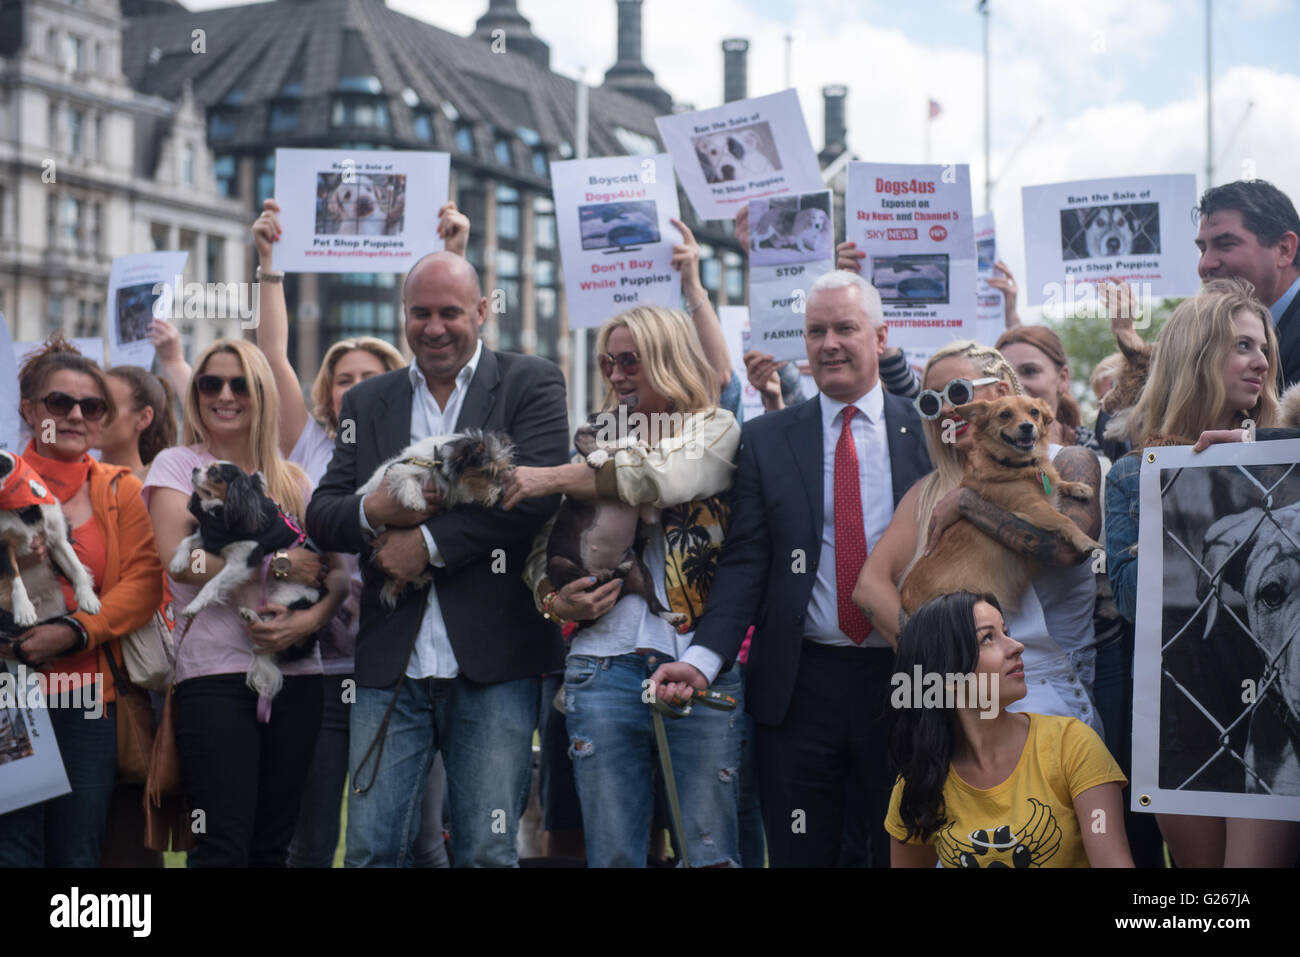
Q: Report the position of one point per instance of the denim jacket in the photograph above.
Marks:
(1122, 524)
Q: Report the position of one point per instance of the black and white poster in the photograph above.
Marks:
(31, 769)
(1216, 692)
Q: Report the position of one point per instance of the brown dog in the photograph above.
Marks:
(1007, 467)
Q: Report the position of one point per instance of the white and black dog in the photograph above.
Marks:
(1259, 559)
(808, 230)
(33, 595)
(241, 523)
(466, 468)
(1109, 231)
(732, 156)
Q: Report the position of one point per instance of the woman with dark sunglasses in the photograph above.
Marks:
(65, 401)
(246, 772)
(679, 461)
(1054, 619)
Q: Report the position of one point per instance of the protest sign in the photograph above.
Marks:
(141, 286)
(914, 222)
(791, 243)
(31, 769)
(740, 151)
(1137, 229)
(616, 242)
(990, 309)
(358, 210)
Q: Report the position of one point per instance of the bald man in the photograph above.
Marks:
(456, 667)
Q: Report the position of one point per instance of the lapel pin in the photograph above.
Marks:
(902, 428)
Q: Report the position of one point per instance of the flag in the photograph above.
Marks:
(934, 109)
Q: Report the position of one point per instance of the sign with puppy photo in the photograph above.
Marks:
(1216, 672)
(358, 210)
(613, 216)
(141, 286)
(791, 243)
(914, 222)
(31, 770)
(740, 151)
(1137, 229)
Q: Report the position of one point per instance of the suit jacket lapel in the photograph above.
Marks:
(393, 415)
(481, 394)
(900, 454)
(804, 433)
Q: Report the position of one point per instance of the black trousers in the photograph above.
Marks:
(245, 777)
(833, 735)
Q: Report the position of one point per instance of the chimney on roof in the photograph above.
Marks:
(507, 31)
(735, 69)
(630, 75)
(833, 97)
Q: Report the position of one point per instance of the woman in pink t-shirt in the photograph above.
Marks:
(245, 774)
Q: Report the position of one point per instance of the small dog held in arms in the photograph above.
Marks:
(241, 523)
(1008, 466)
(598, 539)
(466, 468)
(28, 510)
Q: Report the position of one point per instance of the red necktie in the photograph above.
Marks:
(850, 539)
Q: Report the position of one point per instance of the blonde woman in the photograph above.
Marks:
(1215, 368)
(658, 382)
(1054, 621)
(247, 776)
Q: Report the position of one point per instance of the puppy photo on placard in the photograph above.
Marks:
(791, 229)
(1098, 232)
(739, 154)
(357, 204)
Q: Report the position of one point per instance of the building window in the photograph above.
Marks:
(101, 147)
(423, 124)
(52, 45)
(735, 280)
(710, 269)
(265, 178)
(223, 168)
(472, 200)
(540, 166)
(283, 117)
(71, 223)
(187, 164)
(97, 227)
(365, 111)
(216, 250)
(76, 132)
(4, 213)
(159, 234)
(544, 223)
(465, 139)
(222, 123)
(54, 127)
(56, 311)
(88, 318)
(74, 53)
(507, 213)
(501, 150)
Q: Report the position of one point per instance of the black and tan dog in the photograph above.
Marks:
(241, 523)
(1008, 466)
(28, 510)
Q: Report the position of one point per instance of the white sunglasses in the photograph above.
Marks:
(955, 393)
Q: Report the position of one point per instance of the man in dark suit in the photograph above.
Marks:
(815, 487)
(1250, 230)
(455, 667)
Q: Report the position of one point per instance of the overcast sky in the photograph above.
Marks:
(1119, 84)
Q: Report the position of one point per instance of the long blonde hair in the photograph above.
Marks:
(1184, 394)
(949, 463)
(284, 480)
(322, 390)
(671, 354)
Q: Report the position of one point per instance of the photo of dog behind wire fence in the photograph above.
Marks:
(135, 309)
(790, 229)
(15, 742)
(363, 205)
(743, 153)
(1230, 664)
(915, 280)
(1097, 232)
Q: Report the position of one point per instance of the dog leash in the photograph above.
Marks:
(658, 708)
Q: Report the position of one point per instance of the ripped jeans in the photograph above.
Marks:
(612, 743)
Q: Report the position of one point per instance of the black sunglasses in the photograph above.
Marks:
(629, 362)
(212, 384)
(60, 403)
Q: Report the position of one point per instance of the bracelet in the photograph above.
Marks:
(260, 276)
(548, 609)
(83, 637)
(691, 309)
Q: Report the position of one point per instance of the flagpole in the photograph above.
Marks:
(983, 9)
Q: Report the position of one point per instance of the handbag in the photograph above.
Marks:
(167, 821)
(135, 727)
(149, 654)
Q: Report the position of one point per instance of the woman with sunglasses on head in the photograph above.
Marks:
(247, 774)
(1054, 621)
(980, 786)
(681, 463)
(65, 401)
(1215, 369)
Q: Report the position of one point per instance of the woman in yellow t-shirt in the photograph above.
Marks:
(980, 786)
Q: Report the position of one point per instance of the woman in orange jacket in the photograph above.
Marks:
(65, 399)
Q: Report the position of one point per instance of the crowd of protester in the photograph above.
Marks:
(778, 550)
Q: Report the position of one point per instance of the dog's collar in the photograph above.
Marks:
(423, 463)
(1014, 465)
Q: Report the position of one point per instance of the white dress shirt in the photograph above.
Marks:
(433, 656)
(877, 484)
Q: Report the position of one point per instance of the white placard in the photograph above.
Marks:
(616, 242)
(990, 308)
(140, 287)
(915, 224)
(791, 243)
(740, 151)
(735, 329)
(11, 432)
(1219, 558)
(31, 769)
(358, 210)
(1137, 229)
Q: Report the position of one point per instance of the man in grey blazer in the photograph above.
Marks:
(456, 667)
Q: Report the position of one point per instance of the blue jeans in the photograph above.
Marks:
(68, 831)
(485, 734)
(612, 744)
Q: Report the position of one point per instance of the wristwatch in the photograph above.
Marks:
(270, 276)
(281, 564)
